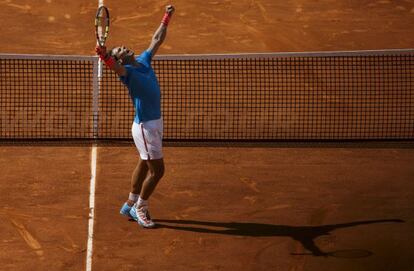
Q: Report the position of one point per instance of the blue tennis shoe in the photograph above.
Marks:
(125, 210)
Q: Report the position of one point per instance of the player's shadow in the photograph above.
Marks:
(306, 235)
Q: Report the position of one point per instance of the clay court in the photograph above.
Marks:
(223, 206)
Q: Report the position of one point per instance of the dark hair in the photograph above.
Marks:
(112, 54)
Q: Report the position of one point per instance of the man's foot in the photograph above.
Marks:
(142, 216)
(126, 211)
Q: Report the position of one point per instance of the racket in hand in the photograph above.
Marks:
(102, 25)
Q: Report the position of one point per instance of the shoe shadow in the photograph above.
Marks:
(306, 235)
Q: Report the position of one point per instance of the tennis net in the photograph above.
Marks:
(360, 95)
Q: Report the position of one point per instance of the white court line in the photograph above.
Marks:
(89, 250)
(94, 151)
(91, 208)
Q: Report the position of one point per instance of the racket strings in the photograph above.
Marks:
(102, 25)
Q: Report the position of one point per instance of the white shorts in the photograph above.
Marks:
(148, 139)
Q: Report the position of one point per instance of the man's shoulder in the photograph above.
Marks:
(144, 58)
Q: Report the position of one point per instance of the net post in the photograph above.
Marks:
(97, 75)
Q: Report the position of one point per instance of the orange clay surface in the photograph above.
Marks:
(286, 208)
(225, 26)
(217, 208)
(44, 197)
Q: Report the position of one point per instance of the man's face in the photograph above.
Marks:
(122, 53)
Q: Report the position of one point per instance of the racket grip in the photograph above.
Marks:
(166, 19)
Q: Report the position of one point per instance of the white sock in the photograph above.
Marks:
(133, 197)
(142, 202)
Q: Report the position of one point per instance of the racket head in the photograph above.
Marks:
(102, 25)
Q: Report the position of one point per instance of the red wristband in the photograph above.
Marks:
(110, 62)
(102, 57)
(166, 19)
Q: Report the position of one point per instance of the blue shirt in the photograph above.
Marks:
(143, 88)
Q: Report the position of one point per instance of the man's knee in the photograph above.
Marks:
(157, 170)
(160, 173)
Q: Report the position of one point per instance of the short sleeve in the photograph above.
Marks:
(145, 58)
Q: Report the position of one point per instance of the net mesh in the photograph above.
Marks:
(45, 98)
(219, 98)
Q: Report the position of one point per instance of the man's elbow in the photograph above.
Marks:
(157, 42)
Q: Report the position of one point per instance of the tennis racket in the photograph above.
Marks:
(102, 25)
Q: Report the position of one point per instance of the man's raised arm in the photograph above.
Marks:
(161, 33)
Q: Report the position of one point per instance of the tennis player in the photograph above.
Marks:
(138, 76)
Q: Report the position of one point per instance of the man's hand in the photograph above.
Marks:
(169, 9)
(101, 52)
(105, 57)
(110, 61)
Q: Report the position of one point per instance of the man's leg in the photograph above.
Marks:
(140, 210)
(138, 177)
(155, 173)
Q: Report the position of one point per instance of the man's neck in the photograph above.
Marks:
(132, 62)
